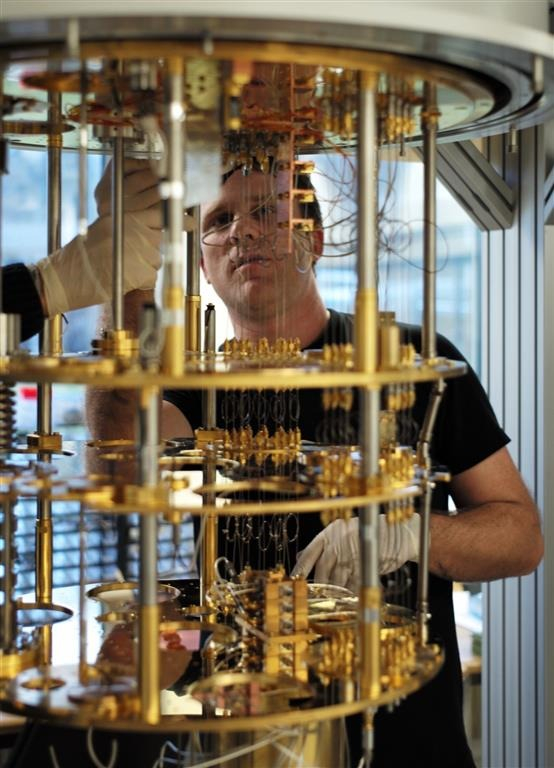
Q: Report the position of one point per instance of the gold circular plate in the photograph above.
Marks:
(126, 593)
(103, 373)
(41, 614)
(56, 705)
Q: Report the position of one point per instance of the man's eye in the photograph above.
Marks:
(219, 220)
(263, 211)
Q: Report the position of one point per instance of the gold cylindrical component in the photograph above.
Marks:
(366, 330)
(173, 361)
(192, 323)
(149, 663)
(44, 560)
(370, 642)
(389, 342)
(209, 552)
(56, 335)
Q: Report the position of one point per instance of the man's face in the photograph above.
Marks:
(245, 253)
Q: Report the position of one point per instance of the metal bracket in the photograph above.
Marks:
(549, 198)
(475, 184)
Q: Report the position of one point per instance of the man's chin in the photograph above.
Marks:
(258, 304)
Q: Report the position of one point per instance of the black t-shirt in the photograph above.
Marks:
(19, 296)
(427, 728)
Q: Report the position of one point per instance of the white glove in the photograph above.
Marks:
(80, 273)
(335, 551)
(140, 192)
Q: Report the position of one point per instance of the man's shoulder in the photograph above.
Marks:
(340, 327)
(445, 348)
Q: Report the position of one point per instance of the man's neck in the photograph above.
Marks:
(306, 321)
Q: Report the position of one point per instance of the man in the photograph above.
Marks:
(496, 532)
(80, 274)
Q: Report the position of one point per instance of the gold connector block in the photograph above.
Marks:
(46, 442)
(146, 496)
(204, 437)
(302, 225)
(117, 343)
(304, 167)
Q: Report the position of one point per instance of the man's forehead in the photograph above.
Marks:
(240, 190)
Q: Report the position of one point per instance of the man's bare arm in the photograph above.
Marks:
(496, 533)
(174, 423)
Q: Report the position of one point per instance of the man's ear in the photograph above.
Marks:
(203, 266)
(317, 243)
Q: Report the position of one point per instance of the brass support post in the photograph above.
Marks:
(149, 663)
(174, 336)
(370, 625)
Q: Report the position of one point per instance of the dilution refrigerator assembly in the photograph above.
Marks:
(269, 663)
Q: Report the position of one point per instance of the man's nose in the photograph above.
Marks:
(243, 227)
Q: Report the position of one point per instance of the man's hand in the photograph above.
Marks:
(335, 551)
(140, 192)
(80, 274)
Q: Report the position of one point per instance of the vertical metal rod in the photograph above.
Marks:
(366, 330)
(50, 343)
(194, 251)
(8, 624)
(9, 340)
(173, 191)
(83, 669)
(209, 396)
(149, 662)
(424, 461)
(209, 522)
(118, 233)
(50, 338)
(3, 170)
(192, 298)
(429, 125)
(83, 156)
